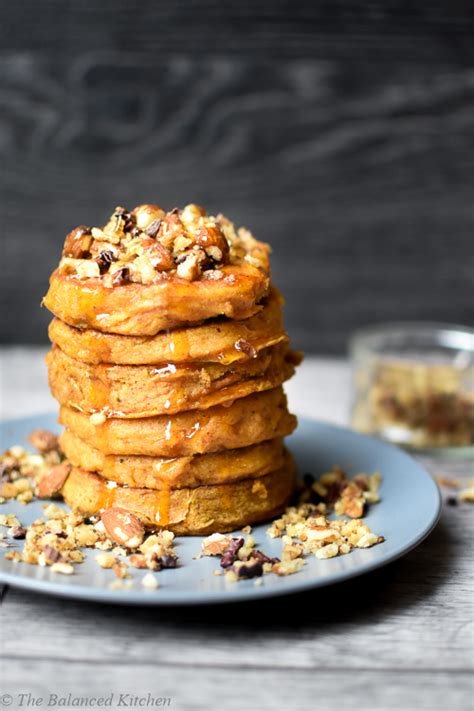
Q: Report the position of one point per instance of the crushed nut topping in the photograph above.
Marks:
(463, 491)
(148, 244)
(22, 472)
(334, 491)
(304, 529)
(239, 557)
(57, 540)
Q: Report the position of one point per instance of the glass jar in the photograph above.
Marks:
(414, 385)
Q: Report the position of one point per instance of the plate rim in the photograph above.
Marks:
(143, 598)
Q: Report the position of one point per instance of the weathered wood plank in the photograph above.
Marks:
(413, 614)
(203, 688)
(430, 32)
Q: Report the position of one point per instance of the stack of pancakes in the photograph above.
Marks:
(169, 354)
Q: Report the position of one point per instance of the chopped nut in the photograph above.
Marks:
(63, 568)
(120, 569)
(448, 482)
(150, 582)
(189, 268)
(146, 215)
(86, 535)
(52, 482)
(18, 532)
(54, 512)
(288, 567)
(8, 490)
(77, 244)
(329, 551)
(123, 527)
(215, 544)
(248, 569)
(52, 555)
(9, 520)
(292, 550)
(230, 555)
(44, 441)
(369, 539)
(467, 494)
(138, 560)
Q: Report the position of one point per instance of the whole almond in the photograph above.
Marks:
(123, 527)
(52, 482)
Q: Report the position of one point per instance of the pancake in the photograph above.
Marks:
(144, 310)
(198, 511)
(147, 270)
(140, 391)
(217, 341)
(246, 421)
(177, 472)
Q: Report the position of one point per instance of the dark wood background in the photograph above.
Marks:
(343, 133)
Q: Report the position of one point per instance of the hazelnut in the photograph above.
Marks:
(78, 243)
(146, 214)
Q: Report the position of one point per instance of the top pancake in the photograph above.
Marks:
(147, 271)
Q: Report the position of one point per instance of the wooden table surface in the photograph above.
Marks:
(399, 638)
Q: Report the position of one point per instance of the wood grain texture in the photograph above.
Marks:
(214, 689)
(343, 135)
(411, 615)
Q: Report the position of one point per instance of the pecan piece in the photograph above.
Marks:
(352, 500)
(18, 532)
(249, 569)
(105, 259)
(121, 276)
(230, 555)
(78, 242)
(170, 228)
(169, 560)
(52, 555)
(123, 527)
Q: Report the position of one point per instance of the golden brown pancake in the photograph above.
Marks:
(147, 270)
(142, 391)
(216, 341)
(176, 472)
(198, 511)
(246, 421)
(145, 309)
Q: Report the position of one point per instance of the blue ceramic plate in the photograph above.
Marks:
(408, 511)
